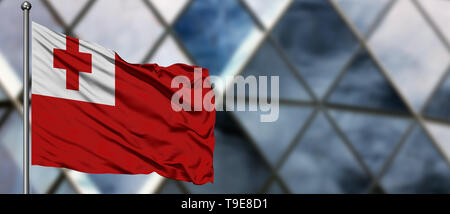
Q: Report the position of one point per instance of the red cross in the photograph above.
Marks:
(73, 61)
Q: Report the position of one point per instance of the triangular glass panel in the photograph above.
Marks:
(364, 86)
(11, 174)
(169, 9)
(238, 168)
(414, 59)
(12, 137)
(115, 183)
(169, 53)
(11, 85)
(438, 10)
(214, 32)
(131, 44)
(41, 178)
(316, 40)
(267, 11)
(439, 107)
(267, 62)
(274, 138)
(322, 163)
(68, 10)
(65, 188)
(373, 137)
(362, 13)
(441, 133)
(417, 168)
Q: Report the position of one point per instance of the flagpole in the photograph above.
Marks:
(26, 7)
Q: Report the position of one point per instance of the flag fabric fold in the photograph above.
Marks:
(94, 112)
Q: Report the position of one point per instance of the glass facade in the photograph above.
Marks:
(364, 90)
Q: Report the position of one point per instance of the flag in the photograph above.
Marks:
(95, 113)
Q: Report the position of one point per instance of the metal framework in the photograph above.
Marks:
(81, 183)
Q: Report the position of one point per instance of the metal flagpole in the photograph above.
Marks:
(26, 7)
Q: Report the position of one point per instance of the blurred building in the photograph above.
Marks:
(364, 90)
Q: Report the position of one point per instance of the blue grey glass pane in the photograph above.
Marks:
(362, 13)
(11, 149)
(441, 133)
(373, 137)
(42, 178)
(65, 188)
(212, 31)
(11, 175)
(418, 168)
(438, 10)
(170, 187)
(11, 136)
(11, 34)
(316, 40)
(275, 188)
(415, 59)
(439, 106)
(363, 85)
(115, 183)
(237, 166)
(273, 138)
(268, 63)
(11, 139)
(68, 10)
(322, 163)
(127, 27)
(267, 11)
